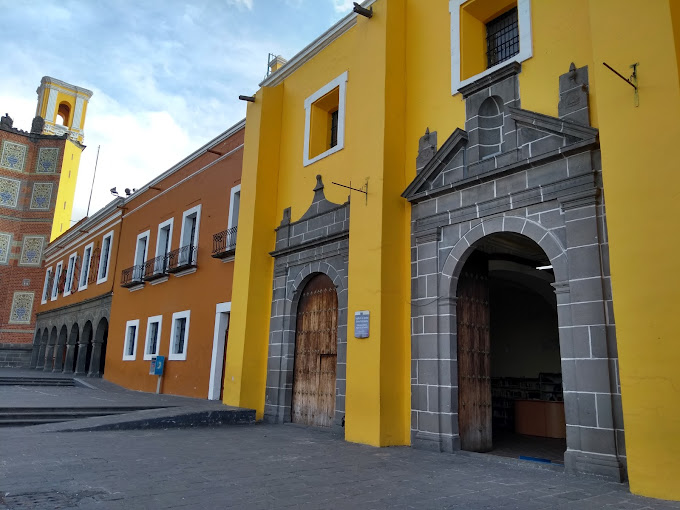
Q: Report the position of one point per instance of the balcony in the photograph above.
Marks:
(182, 259)
(155, 268)
(224, 243)
(132, 276)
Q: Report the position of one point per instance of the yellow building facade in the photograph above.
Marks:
(335, 138)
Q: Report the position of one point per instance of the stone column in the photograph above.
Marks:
(40, 362)
(81, 361)
(35, 354)
(49, 358)
(95, 359)
(59, 358)
(70, 354)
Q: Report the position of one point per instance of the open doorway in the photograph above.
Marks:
(219, 351)
(509, 364)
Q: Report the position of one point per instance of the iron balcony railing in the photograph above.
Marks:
(182, 258)
(132, 276)
(224, 243)
(156, 268)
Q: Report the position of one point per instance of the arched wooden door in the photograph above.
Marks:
(316, 352)
(474, 351)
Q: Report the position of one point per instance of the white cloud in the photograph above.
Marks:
(248, 4)
(343, 5)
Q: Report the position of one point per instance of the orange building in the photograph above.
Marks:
(75, 302)
(173, 298)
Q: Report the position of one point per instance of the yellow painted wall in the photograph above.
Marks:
(67, 189)
(641, 180)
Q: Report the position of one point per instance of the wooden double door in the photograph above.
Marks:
(474, 356)
(316, 353)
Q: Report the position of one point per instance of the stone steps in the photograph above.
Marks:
(22, 416)
(37, 381)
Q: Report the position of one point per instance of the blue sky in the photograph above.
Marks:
(166, 75)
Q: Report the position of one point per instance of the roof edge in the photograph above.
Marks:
(314, 48)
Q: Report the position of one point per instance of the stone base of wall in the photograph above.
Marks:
(15, 355)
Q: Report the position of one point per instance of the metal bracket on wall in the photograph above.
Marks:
(632, 81)
(363, 189)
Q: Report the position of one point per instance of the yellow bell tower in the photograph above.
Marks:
(63, 107)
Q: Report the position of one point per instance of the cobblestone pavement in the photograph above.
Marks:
(274, 466)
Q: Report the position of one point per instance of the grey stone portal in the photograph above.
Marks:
(316, 243)
(539, 177)
(79, 325)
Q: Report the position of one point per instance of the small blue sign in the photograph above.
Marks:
(362, 324)
(157, 365)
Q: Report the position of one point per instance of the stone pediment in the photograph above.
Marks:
(537, 138)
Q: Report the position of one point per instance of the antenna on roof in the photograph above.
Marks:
(92, 187)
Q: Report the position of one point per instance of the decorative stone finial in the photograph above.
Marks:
(37, 125)
(319, 183)
(427, 146)
(6, 121)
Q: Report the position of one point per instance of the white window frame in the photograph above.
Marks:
(235, 190)
(55, 284)
(161, 226)
(100, 278)
(186, 314)
(85, 270)
(222, 319)
(68, 282)
(149, 321)
(46, 293)
(525, 43)
(133, 356)
(185, 215)
(340, 83)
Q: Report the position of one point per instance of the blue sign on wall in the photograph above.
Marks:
(157, 365)
(361, 324)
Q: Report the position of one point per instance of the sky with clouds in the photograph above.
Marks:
(166, 76)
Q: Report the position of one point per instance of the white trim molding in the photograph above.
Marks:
(167, 223)
(525, 43)
(57, 277)
(68, 282)
(46, 292)
(179, 356)
(157, 319)
(234, 191)
(341, 83)
(100, 278)
(185, 215)
(222, 312)
(126, 343)
(85, 267)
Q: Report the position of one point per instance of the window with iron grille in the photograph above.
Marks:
(502, 38)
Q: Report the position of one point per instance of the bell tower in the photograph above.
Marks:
(63, 106)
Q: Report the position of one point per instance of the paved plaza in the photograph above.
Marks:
(69, 465)
(273, 466)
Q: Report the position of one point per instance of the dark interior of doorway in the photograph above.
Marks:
(525, 365)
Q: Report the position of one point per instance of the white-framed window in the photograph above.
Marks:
(153, 336)
(141, 252)
(234, 206)
(130, 345)
(85, 266)
(70, 269)
(325, 120)
(179, 336)
(163, 244)
(191, 224)
(466, 67)
(57, 277)
(46, 286)
(105, 258)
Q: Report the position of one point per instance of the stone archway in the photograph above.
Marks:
(98, 356)
(60, 350)
(84, 344)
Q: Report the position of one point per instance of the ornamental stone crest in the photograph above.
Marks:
(41, 196)
(47, 160)
(9, 192)
(31, 250)
(22, 308)
(13, 156)
(5, 246)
